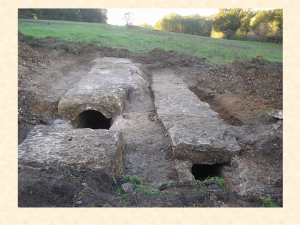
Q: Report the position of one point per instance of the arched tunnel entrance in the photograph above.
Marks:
(203, 171)
(92, 119)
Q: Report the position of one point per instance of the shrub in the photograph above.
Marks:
(55, 46)
(229, 34)
(219, 180)
(240, 35)
(215, 34)
(74, 49)
(270, 38)
(268, 202)
(31, 40)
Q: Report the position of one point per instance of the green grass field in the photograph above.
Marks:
(217, 51)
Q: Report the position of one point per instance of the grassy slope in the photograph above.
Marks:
(217, 51)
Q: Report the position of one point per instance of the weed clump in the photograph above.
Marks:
(268, 202)
(31, 40)
(139, 190)
(265, 112)
(219, 180)
(265, 115)
(138, 184)
(72, 48)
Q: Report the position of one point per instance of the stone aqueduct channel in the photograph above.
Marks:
(196, 132)
(115, 92)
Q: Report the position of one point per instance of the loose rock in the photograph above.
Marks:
(127, 187)
(78, 202)
(276, 113)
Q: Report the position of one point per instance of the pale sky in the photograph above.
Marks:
(150, 16)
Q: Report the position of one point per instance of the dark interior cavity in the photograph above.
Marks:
(202, 171)
(92, 119)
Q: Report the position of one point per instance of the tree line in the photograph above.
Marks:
(193, 24)
(236, 24)
(79, 15)
(264, 25)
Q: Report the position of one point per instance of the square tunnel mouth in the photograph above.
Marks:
(92, 119)
(205, 171)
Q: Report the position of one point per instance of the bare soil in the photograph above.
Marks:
(240, 92)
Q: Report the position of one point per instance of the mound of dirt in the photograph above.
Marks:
(252, 87)
(68, 187)
(160, 58)
(21, 37)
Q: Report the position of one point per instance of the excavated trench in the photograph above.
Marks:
(222, 112)
(141, 135)
(145, 145)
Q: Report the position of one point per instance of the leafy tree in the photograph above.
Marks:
(193, 24)
(263, 17)
(246, 20)
(171, 22)
(175, 22)
(268, 25)
(158, 25)
(82, 15)
(128, 17)
(228, 20)
(277, 16)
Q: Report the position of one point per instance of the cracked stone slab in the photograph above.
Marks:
(195, 131)
(183, 169)
(80, 148)
(104, 88)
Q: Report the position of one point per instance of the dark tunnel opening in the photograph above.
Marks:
(203, 171)
(92, 119)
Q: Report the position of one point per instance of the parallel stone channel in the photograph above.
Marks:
(195, 131)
